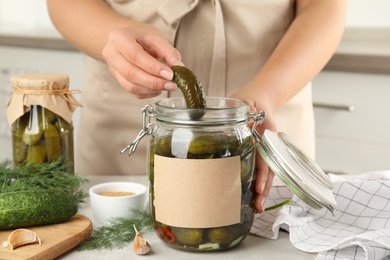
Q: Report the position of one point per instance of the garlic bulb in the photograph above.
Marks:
(141, 246)
(20, 237)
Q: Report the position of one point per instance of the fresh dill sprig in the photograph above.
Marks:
(119, 233)
(49, 175)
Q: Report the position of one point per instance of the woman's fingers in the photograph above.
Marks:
(263, 184)
(129, 75)
(138, 91)
(135, 62)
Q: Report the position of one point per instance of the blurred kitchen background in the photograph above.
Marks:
(351, 95)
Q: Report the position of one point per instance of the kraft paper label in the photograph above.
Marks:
(197, 193)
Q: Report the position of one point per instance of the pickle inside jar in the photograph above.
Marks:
(224, 235)
(19, 146)
(188, 236)
(192, 90)
(36, 153)
(52, 143)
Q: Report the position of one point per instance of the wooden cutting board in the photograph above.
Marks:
(56, 240)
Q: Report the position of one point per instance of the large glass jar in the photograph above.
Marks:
(39, 113)
(201, 173)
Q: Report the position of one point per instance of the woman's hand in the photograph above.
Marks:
(264, 175)
(140, 57)
(301, 53)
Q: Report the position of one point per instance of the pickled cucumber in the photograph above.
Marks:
(246, 172)
(19, 151)
(33, 130)
(32, 137)
(48, 116)
(20, 125)
(191, 87)
(19, 146)
(52, 143)
(224, 235)
(36, 153)
(162, 146)
(212, 145)
(65, 131)
(188, 236)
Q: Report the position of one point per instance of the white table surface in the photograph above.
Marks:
(251, 248)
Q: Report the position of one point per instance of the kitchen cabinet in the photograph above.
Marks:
(352, 121)
(15, 60)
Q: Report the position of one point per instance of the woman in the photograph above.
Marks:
(265, 52)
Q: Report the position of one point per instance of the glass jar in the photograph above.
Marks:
(201, 173)
(42, 131)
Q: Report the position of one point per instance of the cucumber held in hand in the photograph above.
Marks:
(191, 87)
(35, 208)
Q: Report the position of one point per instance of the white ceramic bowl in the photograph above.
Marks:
(104, 208)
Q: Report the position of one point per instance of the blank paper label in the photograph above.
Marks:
(197, 193)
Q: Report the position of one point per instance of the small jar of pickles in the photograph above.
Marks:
(201, 173)
(40, 114)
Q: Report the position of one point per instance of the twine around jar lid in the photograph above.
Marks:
(50, 91)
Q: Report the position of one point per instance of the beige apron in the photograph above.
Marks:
(225, 42)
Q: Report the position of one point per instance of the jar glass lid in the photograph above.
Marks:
(300, 173)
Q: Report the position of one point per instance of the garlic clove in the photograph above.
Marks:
(20, 237)
(141, 246)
